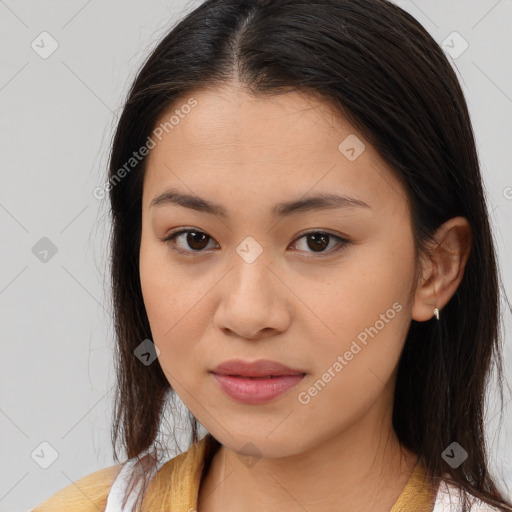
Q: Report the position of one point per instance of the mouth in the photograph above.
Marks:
(256, 383)
(258, 378)
(263, 368)
(254, 390)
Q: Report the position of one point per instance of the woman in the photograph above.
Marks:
(300, 235)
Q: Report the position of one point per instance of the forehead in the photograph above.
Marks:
(228, 117)
(291, 142)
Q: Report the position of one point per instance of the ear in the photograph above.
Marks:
(442, 271)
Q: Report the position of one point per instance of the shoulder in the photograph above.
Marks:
(448, 500)
(89, 494)
(175, 486)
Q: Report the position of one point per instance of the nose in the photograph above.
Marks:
(254, 302)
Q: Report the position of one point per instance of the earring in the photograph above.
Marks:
(436, 312)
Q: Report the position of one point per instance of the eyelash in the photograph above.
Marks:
(170, 240)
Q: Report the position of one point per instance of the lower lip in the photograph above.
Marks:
(256, 391)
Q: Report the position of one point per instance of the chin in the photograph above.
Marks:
(257, 443)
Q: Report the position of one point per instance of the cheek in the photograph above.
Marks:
(173, 299)
(155, 286)
(366, 310)
(365, 306)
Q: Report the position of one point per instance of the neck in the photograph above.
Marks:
(360, 468)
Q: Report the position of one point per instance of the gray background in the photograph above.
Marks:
(57, 117)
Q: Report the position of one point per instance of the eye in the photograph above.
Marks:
(197, 241)
(319, 240)
(194, 238)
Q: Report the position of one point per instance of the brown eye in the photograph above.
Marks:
(191, 240)
(196, 240)
(318, 241)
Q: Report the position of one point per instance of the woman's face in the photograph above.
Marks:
(250, 283)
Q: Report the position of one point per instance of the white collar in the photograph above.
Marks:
(448, 500)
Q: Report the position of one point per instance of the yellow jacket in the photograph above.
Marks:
(176, 485)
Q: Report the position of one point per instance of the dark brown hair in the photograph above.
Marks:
(380, 68)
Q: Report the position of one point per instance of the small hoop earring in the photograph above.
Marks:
(436, 312)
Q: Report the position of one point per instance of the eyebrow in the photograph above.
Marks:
(321, 201)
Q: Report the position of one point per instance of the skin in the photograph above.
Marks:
(295, 304)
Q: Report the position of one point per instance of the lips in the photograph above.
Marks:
(262, 368)
(257, 382)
